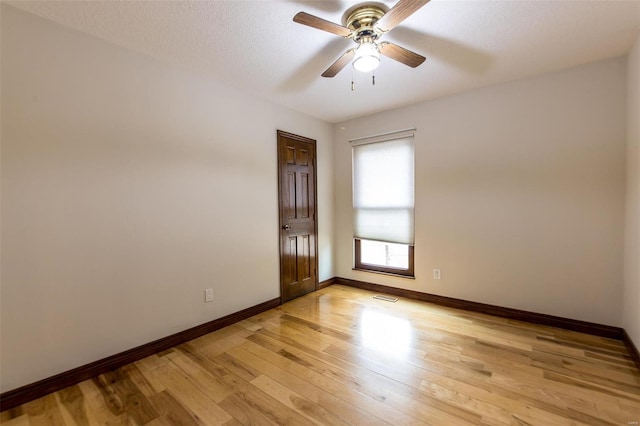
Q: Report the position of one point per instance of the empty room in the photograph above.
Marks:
(320, 212)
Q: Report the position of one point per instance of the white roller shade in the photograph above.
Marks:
(383, 194)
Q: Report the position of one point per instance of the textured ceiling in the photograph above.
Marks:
(256, 47)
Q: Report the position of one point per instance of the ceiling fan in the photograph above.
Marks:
(365, 24)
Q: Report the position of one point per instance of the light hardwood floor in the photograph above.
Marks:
(338, 356)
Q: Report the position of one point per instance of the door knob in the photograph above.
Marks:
(286, 227)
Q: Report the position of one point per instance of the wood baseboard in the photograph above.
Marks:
(633, 349)
(326, 283)
(499, 311)
(13, 398)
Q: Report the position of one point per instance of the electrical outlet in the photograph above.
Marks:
(436, 274)
(208, 295)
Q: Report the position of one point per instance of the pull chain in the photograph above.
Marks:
(353, 86)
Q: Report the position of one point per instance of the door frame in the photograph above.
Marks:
(281, 221)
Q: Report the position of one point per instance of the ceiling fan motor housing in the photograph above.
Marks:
(361, 22)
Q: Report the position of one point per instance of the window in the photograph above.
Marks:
(384, 257)
(383, 200)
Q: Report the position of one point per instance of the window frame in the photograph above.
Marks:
(388, 270)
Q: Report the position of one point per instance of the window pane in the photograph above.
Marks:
(384, 254)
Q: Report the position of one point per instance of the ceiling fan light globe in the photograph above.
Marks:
(366, 63)
(366, 58)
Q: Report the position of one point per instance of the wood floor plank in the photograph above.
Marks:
(197, 373)
(44, 411)
(125, 397)
(12, 413)
(251, 405)
(340, 357)
(337, 388)
(16, 421)
(73, 403)
(245, 395)
(397, 394)
(183, 389)
(296, 402)
(171, 411)
(350, 414)
(98, 409)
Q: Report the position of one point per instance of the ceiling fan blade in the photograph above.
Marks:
(401, 54)
(398, 13)
(338, 65)
(321, 24)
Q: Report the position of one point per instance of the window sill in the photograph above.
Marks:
(371, 271)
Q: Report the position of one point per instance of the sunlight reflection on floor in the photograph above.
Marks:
(385, 333)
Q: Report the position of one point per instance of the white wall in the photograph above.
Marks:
(631, 307)
(128, 187)
(519, 193)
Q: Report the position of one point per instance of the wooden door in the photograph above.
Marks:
(298, 228)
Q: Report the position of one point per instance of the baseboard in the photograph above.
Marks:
(633, 349)
(326, 283)
(499, 311)
(13, 398)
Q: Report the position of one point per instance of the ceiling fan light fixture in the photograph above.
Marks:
(367, 57)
